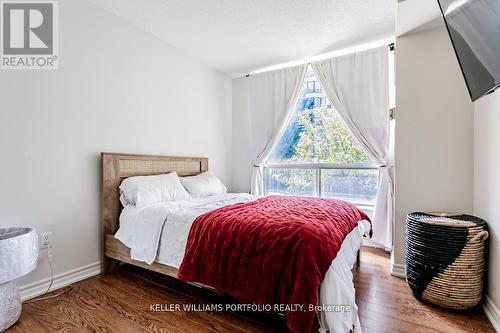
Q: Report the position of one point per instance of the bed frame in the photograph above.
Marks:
(115, 168)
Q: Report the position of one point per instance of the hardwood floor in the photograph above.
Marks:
(386, 303)
(121, 302)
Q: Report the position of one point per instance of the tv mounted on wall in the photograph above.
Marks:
(474, 28)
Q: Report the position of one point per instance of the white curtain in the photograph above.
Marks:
(272, 97)
(358, 86)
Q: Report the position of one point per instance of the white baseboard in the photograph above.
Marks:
(368, 242)
(64, 279)
(398, 270)
(492, 312)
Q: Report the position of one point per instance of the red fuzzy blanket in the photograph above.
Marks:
(274, 250)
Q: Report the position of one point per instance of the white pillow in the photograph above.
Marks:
(203, 185)
(141, 191)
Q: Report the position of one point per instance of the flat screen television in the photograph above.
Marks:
(474, 28)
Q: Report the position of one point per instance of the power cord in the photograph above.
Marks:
(50, 254)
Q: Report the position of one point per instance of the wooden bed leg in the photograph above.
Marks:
(109, 265)
(358, 258)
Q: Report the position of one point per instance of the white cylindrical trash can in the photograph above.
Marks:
(18, 256)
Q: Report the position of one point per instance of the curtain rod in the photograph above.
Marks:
(391, 48)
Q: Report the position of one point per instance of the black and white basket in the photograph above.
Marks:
(445, 257)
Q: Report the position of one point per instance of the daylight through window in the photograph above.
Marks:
(317, 154)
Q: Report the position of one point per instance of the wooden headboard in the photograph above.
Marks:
(116, 167)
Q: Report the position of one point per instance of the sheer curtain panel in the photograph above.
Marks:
(358, 86)
(272, 96)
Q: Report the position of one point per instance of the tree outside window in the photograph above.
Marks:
(317, 154)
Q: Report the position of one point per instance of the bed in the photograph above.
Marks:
(176, 220)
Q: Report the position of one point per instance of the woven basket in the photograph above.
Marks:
(445, 258)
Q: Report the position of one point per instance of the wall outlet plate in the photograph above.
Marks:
(45, 240)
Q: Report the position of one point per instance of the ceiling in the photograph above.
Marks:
(418, 15)
(240, 36)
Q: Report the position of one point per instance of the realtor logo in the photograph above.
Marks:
(29, 34)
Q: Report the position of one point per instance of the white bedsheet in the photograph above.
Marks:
(159, 232)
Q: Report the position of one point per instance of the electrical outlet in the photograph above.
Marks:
(45, 240)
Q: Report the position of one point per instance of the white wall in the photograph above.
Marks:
(434, 129)
(487, 184)
(243, 158)
(117, 90)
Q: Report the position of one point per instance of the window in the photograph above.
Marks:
(318, 156)
(309, 87)
(312, 86)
